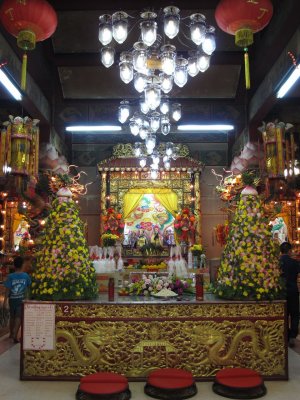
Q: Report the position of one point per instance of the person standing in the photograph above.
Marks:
(16, 286)
(290, 269)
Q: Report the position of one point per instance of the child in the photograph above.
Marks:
(16, 288)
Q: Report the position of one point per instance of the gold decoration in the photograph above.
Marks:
(134, 339)
(127, 150)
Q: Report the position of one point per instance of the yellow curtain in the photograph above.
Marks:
(131, 200)
(166, 197)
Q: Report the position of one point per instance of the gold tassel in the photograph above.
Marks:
(247, 69)
(24, 69)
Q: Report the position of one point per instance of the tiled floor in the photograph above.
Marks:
(11, 388)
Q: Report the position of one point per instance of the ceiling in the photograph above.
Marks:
(68, 69)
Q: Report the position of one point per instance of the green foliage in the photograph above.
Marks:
(250, 261)
(63, 269)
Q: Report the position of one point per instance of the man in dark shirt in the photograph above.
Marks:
(290, 269)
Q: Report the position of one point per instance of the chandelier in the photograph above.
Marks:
(169, 152)
(152, 63)
(145, 121)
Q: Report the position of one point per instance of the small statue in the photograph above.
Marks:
(142, 240)
(202, 261)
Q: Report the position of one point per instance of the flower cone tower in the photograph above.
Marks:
(250, 261)
(63, 270)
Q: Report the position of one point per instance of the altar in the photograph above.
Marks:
(133, 336)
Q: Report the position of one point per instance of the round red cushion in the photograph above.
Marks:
(170, 378)
(239, 378)
(108, 377)
(103, 388)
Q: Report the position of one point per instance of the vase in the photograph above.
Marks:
(196, 261)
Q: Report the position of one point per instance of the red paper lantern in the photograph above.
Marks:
(243, 18)
(30, 21)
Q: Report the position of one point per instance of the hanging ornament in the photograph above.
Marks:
(30, 21)
(242, 19)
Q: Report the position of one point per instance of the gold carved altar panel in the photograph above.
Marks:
(134, 339)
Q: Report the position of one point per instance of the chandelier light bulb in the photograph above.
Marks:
(137, 149)
(169, 149)
(168, 59)
(143, 162)
(165, 158)
(120, 26)
(153, 174)
(197, 28)
(176, 111)
(140, 57)
(166, 83)
(148, 28)
(165, 125)
(150, 142)
(126, 71)
(124, 111)
(154, 167)
(155, 121)
(134, 128)
(209, 43)
(105, 29)
(140, 81)
(171, 21)
(107, 56)
(164, 105)
(143, 133)
(175, 153)
(203, 62)
(167, 165)
(193, 68)
(181, 74)
(155, 157)
(152, 96)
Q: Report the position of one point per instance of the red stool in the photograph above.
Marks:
(170, 384)
(103, 386)
(239, 383)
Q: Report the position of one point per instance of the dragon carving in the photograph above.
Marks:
(223, 352)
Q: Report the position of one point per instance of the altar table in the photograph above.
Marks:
(133, 336)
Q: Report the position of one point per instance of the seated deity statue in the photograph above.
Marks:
(156, 237)
(142, 239)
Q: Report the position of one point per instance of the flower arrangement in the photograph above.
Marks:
(151, 284)
(108, 239)
(63, 270)
(184, 225)
(197, 250)
(113, 222)
(249, 265)
(222, 231)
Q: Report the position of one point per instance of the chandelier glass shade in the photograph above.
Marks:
(153, 64)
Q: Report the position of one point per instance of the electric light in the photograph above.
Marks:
(134, 127)
(152, 95)
(165, 105)
(120, 26)
(165, 125)
(139, 56)
(124, 111)
(209, 43)
(137, 149)
(126, 67)
(176, 111)
(289, 83)
(150, 141)
(168, 59)
(203, 62)
(154, 167)
(171, 21)
(107, 56)
(167, 165)
(143, 162)
(211, 128)
(148, 28)
(105, 29)
(9, 86)
(93, 128)
(181, 74)
(154, 121)
(153, 174)
(192, 67)
(143, 132)
(155, 157)
(166, 82)
(169, 148)
(198, 28)
(139, 82)
(144, 107)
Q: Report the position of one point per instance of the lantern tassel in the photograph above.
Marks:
(24, 70)
(247, 69)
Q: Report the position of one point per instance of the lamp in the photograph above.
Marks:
(124, 111)
(107, 56)
(154, 59)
